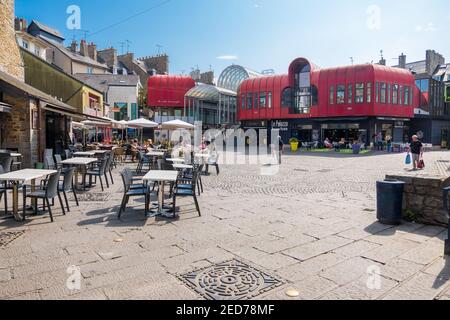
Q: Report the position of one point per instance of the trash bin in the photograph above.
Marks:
(356, 148)
(390, 201)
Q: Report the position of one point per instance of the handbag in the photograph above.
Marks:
(421, 164)
(408, 159)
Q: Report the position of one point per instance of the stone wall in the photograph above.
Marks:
(422, 198)
(10, 59)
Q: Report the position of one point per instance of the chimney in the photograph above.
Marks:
(402, 61)
(84, 48)
(74, 46)
(92, 50)
(382, 62)
(20, 24)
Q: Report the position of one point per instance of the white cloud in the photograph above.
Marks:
(228, 57)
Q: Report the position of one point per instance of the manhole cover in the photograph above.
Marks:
(231, 280)
(8, 237)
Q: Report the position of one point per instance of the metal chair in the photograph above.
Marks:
(4, 191)
(186, 188)
(98, 171)
(132, 192)
(214, 162)
(49, 163)
(108, 169)
(48, 191)
(67, 185)
(190, 176)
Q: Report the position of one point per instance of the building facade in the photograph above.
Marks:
(309, 103)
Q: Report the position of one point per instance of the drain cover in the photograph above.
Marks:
(231, 280)
(8, 237)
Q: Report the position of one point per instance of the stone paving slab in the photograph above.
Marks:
(313, 225)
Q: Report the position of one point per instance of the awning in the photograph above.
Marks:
(73, 114)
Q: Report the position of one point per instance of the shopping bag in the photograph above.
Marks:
(421, 164)
(408, 159)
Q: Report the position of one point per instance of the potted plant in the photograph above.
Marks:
(294, 144)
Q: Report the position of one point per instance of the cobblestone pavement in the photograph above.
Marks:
(312, 226)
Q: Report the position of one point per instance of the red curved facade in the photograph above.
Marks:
(369, 90)
(168, 91)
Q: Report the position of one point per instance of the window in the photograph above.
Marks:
(315, 95)
(383, 92)
(37, 51)
(340, 93)
(423, 85)
(369, 92)
(269, 100)
(256, 100)
(90, 70)
(395, 94)
(400, 95)
(25, 44)
(350, 94)
(332, 95)
(243, 102)
(389, 93)
(359, 93)
(286, 98)
(377, 92)
(262, 99)
(406, 97)
(249, 101)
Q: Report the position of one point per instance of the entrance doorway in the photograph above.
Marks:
(302, 135)
(56, 133)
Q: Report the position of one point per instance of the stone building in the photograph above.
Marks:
(22, 107)
(10, 61)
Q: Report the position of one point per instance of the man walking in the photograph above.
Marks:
(416, 151)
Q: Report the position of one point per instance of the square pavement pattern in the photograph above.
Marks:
(310, 229)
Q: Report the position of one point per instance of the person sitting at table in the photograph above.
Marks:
(341, 145)
(134, 149)
(328, 144)
(149, 144)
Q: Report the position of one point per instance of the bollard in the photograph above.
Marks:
(446, 192)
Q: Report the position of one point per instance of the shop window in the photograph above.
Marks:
(383, 92)
(269, 100)
(395, 94)
(332, 95)
(359, 93)
(286, 98)
(262, 99)
(369, 92)
(340, 94)
(350, 94)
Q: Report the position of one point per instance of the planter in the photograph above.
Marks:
(356, 149)
(294, 146)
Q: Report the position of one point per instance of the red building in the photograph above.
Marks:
(310, 103)
(166, 95)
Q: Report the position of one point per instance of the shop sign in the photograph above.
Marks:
(281, 125)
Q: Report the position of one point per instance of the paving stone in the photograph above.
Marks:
(421, 287)
(316, 248)
(356, 248)
(391, 250)
(440, 268)
(425, 253)
(399, 269)
(349, 270)
(360, 289)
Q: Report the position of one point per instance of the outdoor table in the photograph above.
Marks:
(16, 155)
(155, 154)
(176, 160)
(22, 176)
(161, 177)
(85, 154)
(79, 162)
(183, 167)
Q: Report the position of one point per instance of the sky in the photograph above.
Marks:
(257, 34)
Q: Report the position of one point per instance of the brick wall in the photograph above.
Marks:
(10, 59)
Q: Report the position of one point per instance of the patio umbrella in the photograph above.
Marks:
(141, 124)
(176, 124)
(123, 125)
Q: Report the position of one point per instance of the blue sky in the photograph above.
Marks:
(259, 34)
